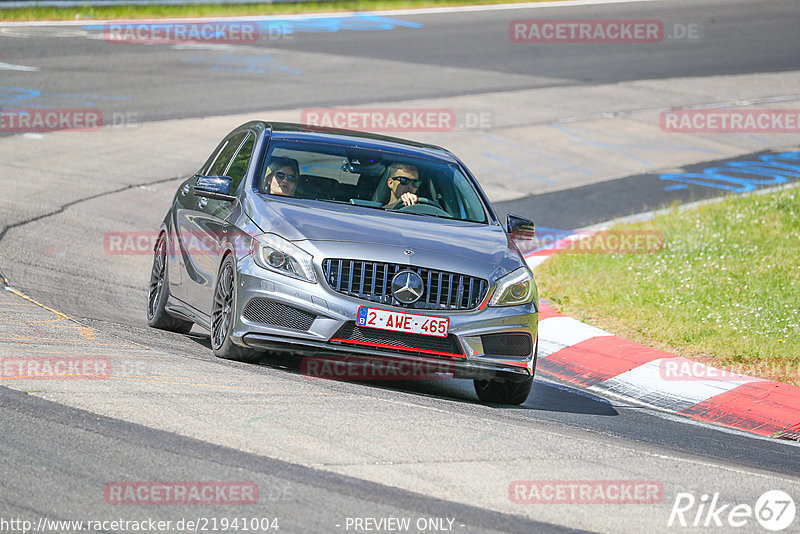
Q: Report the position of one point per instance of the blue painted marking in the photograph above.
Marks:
(742, 176)
(289, 26)
(356, 22)
(675, 187)
(16, 95)
(31, 98)
(253, 65)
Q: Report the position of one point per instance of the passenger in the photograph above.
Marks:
(403, 183)
(281, 177)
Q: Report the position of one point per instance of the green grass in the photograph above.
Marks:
(225, 10)
(725, 289)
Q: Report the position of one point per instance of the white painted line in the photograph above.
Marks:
(556, 333)
(682, 369)
(535, 261)
(343, 14)
(648, 384)
(9, 66)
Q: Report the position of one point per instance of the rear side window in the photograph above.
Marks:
(238, 167)
(225, 155)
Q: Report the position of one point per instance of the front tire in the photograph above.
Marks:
(223, 311)
(157, 315)
(503, 391)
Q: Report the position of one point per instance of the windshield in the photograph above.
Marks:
(372, 179)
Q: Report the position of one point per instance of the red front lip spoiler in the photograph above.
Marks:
(397, 347)
(464, 367)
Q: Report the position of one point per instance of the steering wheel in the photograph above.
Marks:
(420, 200)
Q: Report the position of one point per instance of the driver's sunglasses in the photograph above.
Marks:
(283, 176)
(405, 180)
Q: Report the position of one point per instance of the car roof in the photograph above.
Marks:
(287, 131)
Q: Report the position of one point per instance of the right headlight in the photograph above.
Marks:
(515, 288)
(281, 256)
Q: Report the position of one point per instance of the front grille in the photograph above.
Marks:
(273, 313)
(399, 341)
(518, 344)
(370, 280)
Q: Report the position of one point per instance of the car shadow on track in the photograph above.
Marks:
(545, 396)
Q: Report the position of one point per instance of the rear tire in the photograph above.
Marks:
(223, 310)
(503, 391)
(157, 315)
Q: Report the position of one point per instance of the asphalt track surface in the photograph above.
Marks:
(57, 457)
(452, 54)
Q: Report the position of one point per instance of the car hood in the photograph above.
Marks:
(355, 232)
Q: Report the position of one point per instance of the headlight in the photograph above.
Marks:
(284, 257)
(517, 287)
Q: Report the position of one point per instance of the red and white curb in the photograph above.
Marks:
(597, 360)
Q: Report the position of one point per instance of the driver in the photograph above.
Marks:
(403, 183)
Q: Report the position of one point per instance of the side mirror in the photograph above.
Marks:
(520, 226)
(218, 187)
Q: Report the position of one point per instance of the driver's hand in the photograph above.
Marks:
(409, 199)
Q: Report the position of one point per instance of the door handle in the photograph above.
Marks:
(203, 202)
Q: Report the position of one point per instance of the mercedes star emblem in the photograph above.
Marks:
(407, 287)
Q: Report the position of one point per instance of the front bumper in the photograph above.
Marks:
(331, 311)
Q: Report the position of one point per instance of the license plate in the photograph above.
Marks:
(403, 322)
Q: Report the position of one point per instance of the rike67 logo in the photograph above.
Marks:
(774, 510)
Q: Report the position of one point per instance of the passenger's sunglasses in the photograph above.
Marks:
(405, 180)
(283, 176)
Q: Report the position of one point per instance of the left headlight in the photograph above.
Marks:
(281, 256)
(515, 288)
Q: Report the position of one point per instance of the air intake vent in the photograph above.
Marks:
(507, 344)
(272, 313)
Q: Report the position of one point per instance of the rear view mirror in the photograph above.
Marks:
(218, 187)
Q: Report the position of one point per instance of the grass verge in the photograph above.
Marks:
(724, 290)
(89, 12)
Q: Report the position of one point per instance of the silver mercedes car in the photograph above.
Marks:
(345, 244)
